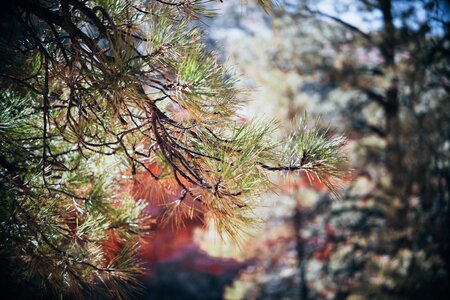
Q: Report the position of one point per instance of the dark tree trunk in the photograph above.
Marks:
(301, 253)
(391, 105)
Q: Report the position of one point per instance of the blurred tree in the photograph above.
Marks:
(94, 92)
(385, 64)
(396, 61)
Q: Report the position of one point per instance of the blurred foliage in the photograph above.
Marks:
(378, 70)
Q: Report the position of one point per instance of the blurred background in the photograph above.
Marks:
(376, 70)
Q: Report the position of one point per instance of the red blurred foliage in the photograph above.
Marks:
(166, 243)
(302, 180)
(112, 247)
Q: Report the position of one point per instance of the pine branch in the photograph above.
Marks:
(109, 96)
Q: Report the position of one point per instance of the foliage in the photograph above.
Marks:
(95, 92)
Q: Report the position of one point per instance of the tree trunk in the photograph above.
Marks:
(394, 157)
(300, 249)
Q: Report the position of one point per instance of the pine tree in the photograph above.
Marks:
(95, 92)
